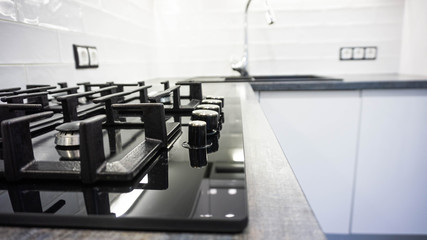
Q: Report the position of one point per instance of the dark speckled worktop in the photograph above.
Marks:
(349, 82)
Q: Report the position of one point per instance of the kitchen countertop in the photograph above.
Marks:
(350, 82)
(277, 206)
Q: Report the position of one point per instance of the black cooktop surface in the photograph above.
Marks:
(168, 194)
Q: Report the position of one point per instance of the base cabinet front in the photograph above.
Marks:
(359, 156)
(318, 134)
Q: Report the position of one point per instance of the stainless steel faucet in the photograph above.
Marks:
(241, 65)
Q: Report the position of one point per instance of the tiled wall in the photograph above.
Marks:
(36, 40)
(143, 39)
(201, 37)
(414, 38)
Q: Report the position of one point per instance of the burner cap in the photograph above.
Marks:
(68, 134)
(69, 127)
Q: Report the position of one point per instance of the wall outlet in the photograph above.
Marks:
(93, 57)
(346, 53)
(371, 53)
(358, 53)
(85, 56)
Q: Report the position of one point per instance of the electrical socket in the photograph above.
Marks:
(371, 53)
(85, 56)
(346, 53)
(93, 56)
(358, 53)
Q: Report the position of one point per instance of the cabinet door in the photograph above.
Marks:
(318, 134)
(391, 193)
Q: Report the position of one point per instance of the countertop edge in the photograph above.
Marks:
(274, 184)
(319, 86)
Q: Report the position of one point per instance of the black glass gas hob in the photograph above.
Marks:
(116, 159)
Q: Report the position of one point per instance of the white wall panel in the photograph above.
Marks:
(12, 76)
(193, 37)
(312, 30)
(61, 14)
(8, 10)
(27, 44)
(414, 47)
(51, 74)
(38, 46)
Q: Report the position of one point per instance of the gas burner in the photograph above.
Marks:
(68, 134)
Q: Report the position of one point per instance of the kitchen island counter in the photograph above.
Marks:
(277, 206)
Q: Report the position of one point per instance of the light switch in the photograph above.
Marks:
(358, 53)
(346, 53)
(85, 56)
(370, 53)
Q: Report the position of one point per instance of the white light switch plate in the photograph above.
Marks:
(358, 53)
(346, 53)
(83, 57)
(371, 53)
(93, 57)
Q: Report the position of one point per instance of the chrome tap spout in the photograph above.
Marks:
(241, 65)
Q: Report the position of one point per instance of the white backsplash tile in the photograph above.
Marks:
(306, 32)
(92, 3)
(104, 24)
(130, 11)
(67, 39)
(8, 10)
(51, 74)
(22, 44)
(115, 72)
(137, 39)
(12, 76)
(96, 75)
(193, 68)
(145, 5)
(61, 14)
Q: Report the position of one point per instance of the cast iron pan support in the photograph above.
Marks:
(111, 99)
(91, 147)
(63, 84)
(176, 96)
(36, 98)
(195, 90)
(154, 119)
(166, 85)
(91, 140)
(67, 90)
(17, 145)
(8, 111)
(34, 89)
(143, 95)
(69, 102)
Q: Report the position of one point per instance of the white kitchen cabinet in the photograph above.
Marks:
(318, 133)
(390, 189)
(359, 156)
